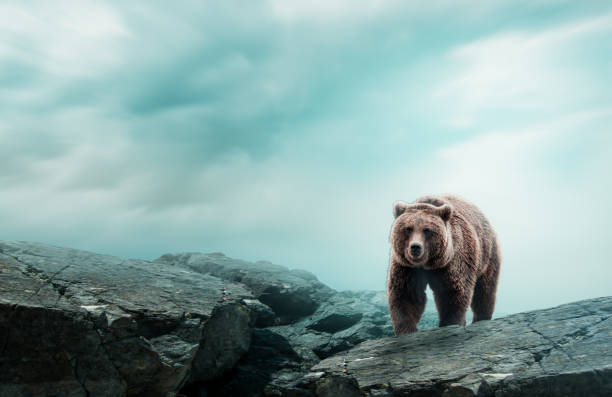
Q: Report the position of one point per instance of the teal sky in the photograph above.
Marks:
(285, 130)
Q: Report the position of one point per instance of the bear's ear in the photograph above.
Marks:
(445, 212)
(399, 208)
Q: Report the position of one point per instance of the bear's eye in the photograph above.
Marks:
(408, 230)
(427, 232)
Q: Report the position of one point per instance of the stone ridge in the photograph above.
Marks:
(562, 351)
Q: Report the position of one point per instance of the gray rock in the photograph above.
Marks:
(269, 370)
(345, 320)
(271, 361)
(74, 323)
(261, 315)
(335, 321)
(225, 339)
(302, 339)
(334, 386)
(563, 351)
(290, 293)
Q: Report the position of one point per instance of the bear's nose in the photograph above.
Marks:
(416, 249)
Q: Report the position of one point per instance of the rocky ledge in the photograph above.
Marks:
(75, 323)
(563, 351)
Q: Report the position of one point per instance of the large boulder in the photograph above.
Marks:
(74, 323)
(563, 351)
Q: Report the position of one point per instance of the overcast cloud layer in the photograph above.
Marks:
(286, 130)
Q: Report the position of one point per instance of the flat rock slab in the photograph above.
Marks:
(563, 351)
(75, 323)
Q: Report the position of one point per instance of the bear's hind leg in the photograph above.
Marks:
(483, 300)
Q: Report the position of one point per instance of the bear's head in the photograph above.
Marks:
(421, 234)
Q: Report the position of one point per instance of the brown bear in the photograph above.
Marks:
(448, 244)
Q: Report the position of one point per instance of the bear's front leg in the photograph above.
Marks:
(406, 294)
(452, 293)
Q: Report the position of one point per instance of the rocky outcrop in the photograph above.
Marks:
(298, 321)
(564, 351)
(77, 323)
(73, 323)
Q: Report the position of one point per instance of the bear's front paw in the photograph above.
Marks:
(404, 329)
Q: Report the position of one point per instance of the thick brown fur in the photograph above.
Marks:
(448, 244)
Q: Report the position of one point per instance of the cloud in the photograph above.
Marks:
(537, 70)
(324, 13)
(65, 40)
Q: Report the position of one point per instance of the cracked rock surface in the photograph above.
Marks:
(74, 323)
(563, 351)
